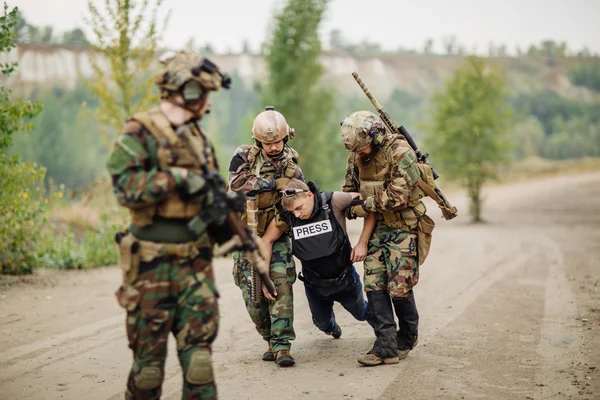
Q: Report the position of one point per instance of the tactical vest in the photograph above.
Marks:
(171, 151)
(267, 201)
(323, 248)
(373, 178)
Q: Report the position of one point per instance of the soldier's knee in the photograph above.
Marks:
(149, 378)
(200, 370)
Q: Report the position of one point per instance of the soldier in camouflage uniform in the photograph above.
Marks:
(384, 169)
(261, 170)
(168, 283)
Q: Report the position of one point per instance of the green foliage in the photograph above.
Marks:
(586, 75)
(66, 139)
(21, 200)
(22, 207)
(469, 135)
(123, 51)
(66, 247)
(295, 89)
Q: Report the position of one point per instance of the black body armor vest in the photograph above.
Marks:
(323, 248)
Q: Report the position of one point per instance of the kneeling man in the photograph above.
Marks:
(320, 241)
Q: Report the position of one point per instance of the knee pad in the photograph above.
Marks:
(200, 371)
(148, 378)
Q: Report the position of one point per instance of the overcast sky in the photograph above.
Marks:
(392, 23)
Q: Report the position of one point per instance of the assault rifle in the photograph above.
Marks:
(448, 210)
(221, 220)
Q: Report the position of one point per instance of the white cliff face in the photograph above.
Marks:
(48, 65)
(41, 66)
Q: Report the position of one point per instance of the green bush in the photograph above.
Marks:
(22, 208)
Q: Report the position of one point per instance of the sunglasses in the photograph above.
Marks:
(291, 192)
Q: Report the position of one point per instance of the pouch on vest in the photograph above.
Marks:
(129, 256)
(424, 231)
(327, 287)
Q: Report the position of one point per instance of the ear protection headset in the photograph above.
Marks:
(377, 137)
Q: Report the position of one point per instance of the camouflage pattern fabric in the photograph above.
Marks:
(176, 70)
(274, 320)
(242, 177)
(133, 184)
(391, 262)
(401, 178)
(170, 294)
(175, 295)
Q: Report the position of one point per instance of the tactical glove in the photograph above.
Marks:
(357, 208)
(357, 201)
(191, 185)
(359, 211)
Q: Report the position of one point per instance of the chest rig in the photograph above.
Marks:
(171, 151)
(267, 201)
(374, 176)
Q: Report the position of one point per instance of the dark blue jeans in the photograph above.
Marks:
(351, 299)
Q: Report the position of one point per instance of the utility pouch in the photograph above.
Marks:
(424, 231)
(129, 256)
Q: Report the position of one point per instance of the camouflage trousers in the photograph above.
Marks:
(274, 320)
(391, 263)
(177, 295)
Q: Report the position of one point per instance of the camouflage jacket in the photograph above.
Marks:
(394, 165)
(250, 173)
(134, 164)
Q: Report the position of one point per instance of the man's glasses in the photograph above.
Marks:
(291, 192)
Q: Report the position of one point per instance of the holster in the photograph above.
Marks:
(129, 256)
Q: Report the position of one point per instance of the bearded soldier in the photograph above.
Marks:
(259, 171)
(384, 169)
(168, 283)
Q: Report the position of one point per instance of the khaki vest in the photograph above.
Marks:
(372, 179)
(266, 201)
(172, 151)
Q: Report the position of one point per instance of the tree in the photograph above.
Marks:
(428, 46)
(450, 44)
(246, 48)
(469, 134)
(122, 54)
(75, 36)
(295, 89)
(19, 207)
(336, 40)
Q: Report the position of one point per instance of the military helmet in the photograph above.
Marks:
(187, 73)
(270, 126)
(360, 129)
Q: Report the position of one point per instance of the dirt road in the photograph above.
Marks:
(509, 309)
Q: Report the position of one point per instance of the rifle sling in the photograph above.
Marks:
(429, 191)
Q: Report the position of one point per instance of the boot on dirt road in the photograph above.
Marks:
(372, 360)
(385, 349)
(284, 359)
(268, 355)
(408, 324)
(336, 332)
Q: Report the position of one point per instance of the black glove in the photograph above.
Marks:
(357, 201)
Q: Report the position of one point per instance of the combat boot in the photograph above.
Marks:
(385, 349)
(268, 355)
(336, 332)
(408, 321)
(372, 360)
(284, 359)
